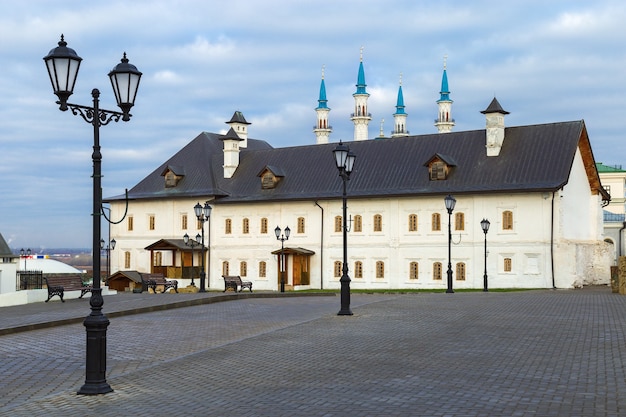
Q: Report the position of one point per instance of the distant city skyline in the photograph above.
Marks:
(544, 61)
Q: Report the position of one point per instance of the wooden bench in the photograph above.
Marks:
(58, 284)
(234, 281)
(156, 280)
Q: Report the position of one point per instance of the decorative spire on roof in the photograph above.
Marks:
(322, 129)
(400, 101)
(361, 116)
(399, 117)
(444, 121)
(360, 83)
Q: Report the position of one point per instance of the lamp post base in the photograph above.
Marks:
(345, 297)
(96, 326)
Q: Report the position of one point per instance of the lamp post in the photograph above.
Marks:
(107, 250)
(63, 64)
(344, 159)
(193, 244)
(484, 224)
(203, 214)
(450, 203)
(282, 239)
(25, 255)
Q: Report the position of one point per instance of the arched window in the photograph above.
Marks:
(358, 223)
(380, 269)
(507, 220)
(436, 222)
(245, 226)
(508, 265)
(358, 269)
(264, 225)
(225, 268)
(413, 270)
(243, 268)
(460, 271)
(337, 269)
(228, 227)
(412, 222)
(459, 221)
(378, 223)
(338, 224)
(437, 271)
(262, 269)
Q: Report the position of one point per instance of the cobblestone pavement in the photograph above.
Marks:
(530, 353)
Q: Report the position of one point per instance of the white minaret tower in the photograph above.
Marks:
(360, 117)
(399, 117)
(444, 122)
(322, 129)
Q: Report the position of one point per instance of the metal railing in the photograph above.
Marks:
(29, 280)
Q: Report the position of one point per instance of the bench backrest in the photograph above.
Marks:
(158, 278)
(235, 278)
(65, 281)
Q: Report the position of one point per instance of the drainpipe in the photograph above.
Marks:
(552, 241)
(621, 231)
(322, 248)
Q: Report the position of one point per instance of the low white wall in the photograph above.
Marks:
(37, 296)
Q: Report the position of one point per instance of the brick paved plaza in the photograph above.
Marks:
(531, 353)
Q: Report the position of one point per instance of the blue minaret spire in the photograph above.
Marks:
(400, 115)
(322, 128)
(360, 117)
(444, 121)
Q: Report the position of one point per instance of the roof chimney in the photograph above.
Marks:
(232, 143)
(495, 127)
(239, 126)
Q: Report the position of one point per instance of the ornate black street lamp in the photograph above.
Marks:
(193, 244)
(450, 203)
(25, 255)
(344, 159)
(282, 239)
(62, 64)
(107, 249)
(484, 224)
(203, 214)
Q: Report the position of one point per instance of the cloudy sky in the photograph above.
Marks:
(545, 61)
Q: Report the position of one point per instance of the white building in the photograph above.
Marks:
(538, 186)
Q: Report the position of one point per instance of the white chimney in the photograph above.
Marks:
(495, 127)
(231, 152)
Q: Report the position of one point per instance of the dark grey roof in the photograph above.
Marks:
(494, 107)
(533, 158)
(238, 118)
(5, 250)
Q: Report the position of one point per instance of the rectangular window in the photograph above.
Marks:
(262, 269)
(183, 222)
(300, 224)
(507, 220)
(508, 265)
(358, 223)
(337, 269)
(225, 268)
(380, 269)
(243, 269)
(358, 269)
(245, 226)
(413, 270)
(151, 222)
(412, 222)
(460, 271)
(126, 260)
(264, 225)
(228, 226)
(130, 223)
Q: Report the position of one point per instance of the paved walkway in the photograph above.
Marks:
(532, 353)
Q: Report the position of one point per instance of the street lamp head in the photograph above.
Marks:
(101, 243)
(22, 252)
(62, 64)
(350, 161)
(287, 232)
(484, 223)
(28, 252)
(206, 210)
(341, 155)
(186, 239)
(277, 232)
(125, 82)
(197, 209)
(198, 237)
(450, 203)
(113, 242)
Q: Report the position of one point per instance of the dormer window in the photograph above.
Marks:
(270, 177)
(439, 167)
(172, 176)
